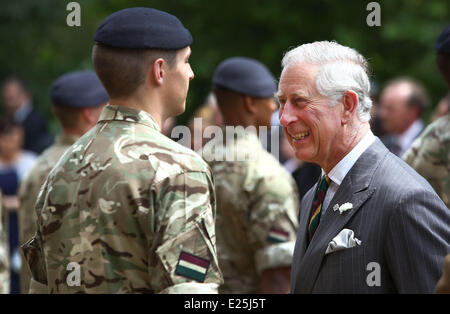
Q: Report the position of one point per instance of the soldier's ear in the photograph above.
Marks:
(156, 72)
(86, 114)
(249, 104)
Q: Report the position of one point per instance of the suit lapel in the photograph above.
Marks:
(304, 221)
(355, 189)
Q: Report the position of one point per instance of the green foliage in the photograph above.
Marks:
(38, 45)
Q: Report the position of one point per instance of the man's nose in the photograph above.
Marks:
(287, 115)
(191, 73)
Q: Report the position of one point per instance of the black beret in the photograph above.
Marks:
(143, 28)
(246, 76)
(443, 41)
(80, 89)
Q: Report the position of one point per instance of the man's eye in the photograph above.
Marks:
(301, 102)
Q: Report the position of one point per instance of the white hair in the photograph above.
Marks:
(341, 69)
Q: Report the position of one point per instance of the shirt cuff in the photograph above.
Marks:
(277, 255)
(192, 288)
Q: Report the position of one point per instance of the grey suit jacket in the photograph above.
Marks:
(402, 223)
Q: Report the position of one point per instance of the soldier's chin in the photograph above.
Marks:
(180, 109)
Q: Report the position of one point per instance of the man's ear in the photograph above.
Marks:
(156, 71)
(87, 115)
(350, 102)
(249, 104)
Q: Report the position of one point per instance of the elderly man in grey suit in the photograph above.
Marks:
(371, 224)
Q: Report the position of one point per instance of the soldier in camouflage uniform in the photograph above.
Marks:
(429, 155)
(127, 210)
(4, 255)
(257, 199)
(77, 98)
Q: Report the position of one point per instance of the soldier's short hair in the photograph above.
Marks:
(123, 70)
(67, 116)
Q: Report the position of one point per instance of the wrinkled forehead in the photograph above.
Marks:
(298, 79)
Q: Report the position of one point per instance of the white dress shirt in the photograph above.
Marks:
(338, 173)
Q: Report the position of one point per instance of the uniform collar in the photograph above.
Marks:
(128, 114)
(66, 139)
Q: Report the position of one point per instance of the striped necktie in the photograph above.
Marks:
(317, 206)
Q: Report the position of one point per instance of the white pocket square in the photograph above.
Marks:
(344, 240)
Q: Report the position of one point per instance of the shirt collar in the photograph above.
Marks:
(122, 113)
(338, 173)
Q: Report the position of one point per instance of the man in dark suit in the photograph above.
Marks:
(371, 224)
(17, 105)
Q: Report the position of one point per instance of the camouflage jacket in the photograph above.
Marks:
(126, 210)
(28, 193)
(257, 211)
(429, 155)
(4, 254)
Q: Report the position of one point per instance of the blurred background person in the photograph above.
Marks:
(274, 138)
(197, 127)
(14, 165)
(4, 255)
(375, 121)
(210, 115)
(77, 100)
(18, 107)
(402, 104)
(211, 102)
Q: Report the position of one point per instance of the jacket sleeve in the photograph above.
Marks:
(418, 238)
